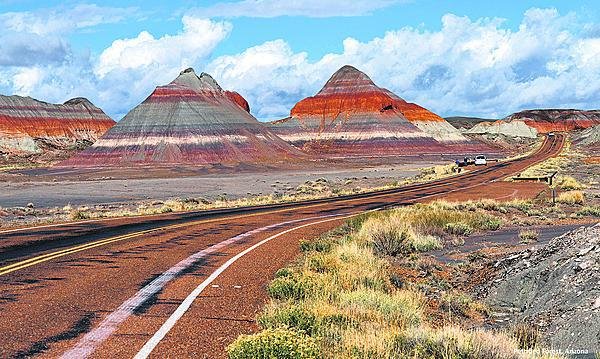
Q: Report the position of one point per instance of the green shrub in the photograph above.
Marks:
(283, 272)
(289, 287)
(389, 241)
(490, 223)
(291, 316)
(322, 244)
(458, 229)
(423, 243)
(276, 343)
(320, 264)
(589, 211)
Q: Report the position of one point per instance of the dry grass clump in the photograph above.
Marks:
(528, 235)
(461, 304)
(452, 342)
(437, 172)
(393, 235)
(419, 228)
(569, 183)
(338, 301)
(571, 197)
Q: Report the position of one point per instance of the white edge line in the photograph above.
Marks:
(185, 305)
(88, 344)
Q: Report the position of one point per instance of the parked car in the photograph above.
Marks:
(480, 160)
(551, 134)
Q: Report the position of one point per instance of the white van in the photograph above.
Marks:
(480, 160)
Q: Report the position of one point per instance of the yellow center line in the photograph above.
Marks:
(46, 257)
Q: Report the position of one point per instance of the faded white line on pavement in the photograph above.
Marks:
(185, 305)
(92, 340)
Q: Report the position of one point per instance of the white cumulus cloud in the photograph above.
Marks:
(197, 40)
(477, 67)
(469, 66)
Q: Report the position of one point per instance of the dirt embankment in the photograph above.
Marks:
(554, 288)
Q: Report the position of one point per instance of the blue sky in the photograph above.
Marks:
(454, 57)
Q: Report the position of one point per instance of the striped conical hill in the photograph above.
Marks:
(353, 116)
(190, 121)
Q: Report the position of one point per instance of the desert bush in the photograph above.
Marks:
(528, 235)
(403, 307)
(277, 343)
(526, 335)
(391, 235)
(569, 183)
(458, 229)
(590, 211)
(386, 238)
(165, 209)
(284, 272)
(288, 315)
(79, 214)
(357, 268)
(571, 197)
(321, 244)
(290, 287)
(451, 342)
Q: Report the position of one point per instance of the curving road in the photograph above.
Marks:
(176, 285)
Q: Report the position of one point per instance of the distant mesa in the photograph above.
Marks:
(557, 120)
(352, 115)
(531, 123)
(190, 121)
(35, 130)
(464, 123)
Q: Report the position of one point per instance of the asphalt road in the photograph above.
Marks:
(175, 285)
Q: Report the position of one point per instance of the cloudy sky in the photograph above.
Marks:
(453, 57)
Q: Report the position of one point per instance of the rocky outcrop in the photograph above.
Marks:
(463, 123)
(554, 288)
(191, 121)
(30, 127)
(589, 138)
(353, 116)
(514, 128)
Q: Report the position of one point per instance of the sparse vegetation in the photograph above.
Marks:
(277, 343)
(528, 235)
(569, 183)
(571, 197)
(590, 211)
(526, 335)
(437, 172)
(342, 300)
(79, 214)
